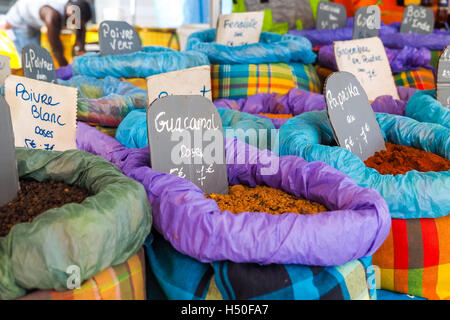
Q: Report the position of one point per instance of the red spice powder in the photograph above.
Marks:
(399, 159)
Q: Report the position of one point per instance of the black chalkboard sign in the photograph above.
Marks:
(351, 116)
(9, 180)
(118, 37)
(367, 22)
(331, 15)
(417, 19)
(443, 78)
(38, 64)
(186, 139)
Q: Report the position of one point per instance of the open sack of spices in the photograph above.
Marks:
(412, 175)
(105, 102)
(150, 61)
(68, 202)
(423, 106)
(276, 64)
(132, 131)
(279, 108)
(410, 66)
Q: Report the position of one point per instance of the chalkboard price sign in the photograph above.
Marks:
(351, 116)
(417, 19)
(367, 22)
(9, 180)
(186, 139)
(443, 78)
(331, 15)
(118, 37)
(38, 64)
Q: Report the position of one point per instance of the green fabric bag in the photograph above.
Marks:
(105, 230)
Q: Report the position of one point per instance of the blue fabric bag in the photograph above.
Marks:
(424, 107)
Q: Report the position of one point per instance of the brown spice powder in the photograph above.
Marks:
(397, 159)
(264, 199)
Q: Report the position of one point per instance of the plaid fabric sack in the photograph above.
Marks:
(235, 81)
(123, 282)
(415, 258)
(175, 276)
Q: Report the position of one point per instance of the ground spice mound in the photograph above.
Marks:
(277, 116)
(35, 198)
(399, 159)
(264, 199)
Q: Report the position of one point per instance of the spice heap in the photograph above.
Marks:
(397, 159)
(277, 116)
(264, 199)
(35, 198)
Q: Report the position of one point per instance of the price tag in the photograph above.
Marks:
(367, 22)
(5, 68)
(351, 116)
(186, 139)
(417, 19)
(238, 29)
(118, 37)
(193, 81)
(43, 114)
(38, 64)
(9, 178)
(367, 60)
(443, 78)
(331, 15)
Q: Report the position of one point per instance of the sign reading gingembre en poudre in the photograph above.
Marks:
(367, 60)
(43, 114)
(186, 139)
(238, 29)
(351, 116)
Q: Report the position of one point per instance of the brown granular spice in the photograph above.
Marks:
(35, 198)
(264, 199)
(399, 159)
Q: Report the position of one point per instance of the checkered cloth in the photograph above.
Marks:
(123, 282)
(415, 258)
(242, 80)
(177, 276)
(421, 78)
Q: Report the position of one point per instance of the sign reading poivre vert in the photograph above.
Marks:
(186, 139)
(417, 19)
(331, 15)
(118, 37)
(38, 64)
(9, 179)
(238, 29)
(443, 78)
(367, 22)
(351, 116)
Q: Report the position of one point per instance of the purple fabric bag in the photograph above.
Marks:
(356, 227)
(298, 101)
(407, 58)
(64, 73)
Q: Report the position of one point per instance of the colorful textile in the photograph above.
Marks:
(415, 258)
(122, 282)
(176, 276)
(422, 78)
(242, 80)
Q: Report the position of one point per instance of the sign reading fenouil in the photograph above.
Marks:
(367, 22)
(367, 60)
(118, 37)
(417, 19)
(38, 64)
(9, 179)
(351, 116)
(331, 15)
(43, 114)
(238, 29)
(186, 139)
(443, 78)
(193, 81)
